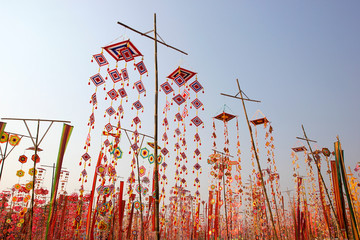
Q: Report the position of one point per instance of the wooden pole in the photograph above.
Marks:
(34, 179)
(4, 156)
(339, 153)
(226, 217)
(276, 209)
(258, 162)
(156, 170)
(139, 182)
(156, 177)
(121, 213)
(322, 179)
(92, 193)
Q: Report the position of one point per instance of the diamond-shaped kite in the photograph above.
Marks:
(100, 59)
(196, 86)
(125, 74)
(137, 105)
(115, 75)
(110, 111)
(184, 73)
(113, 94)
(141, 67)
(97, 79)
(166, 88)
(196, 103)
(197, 121)
(140, 86)
(115, 50)
(179, 99)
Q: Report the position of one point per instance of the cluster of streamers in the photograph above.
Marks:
(182, 96)
(221, 175)
(117, 95)
(271, 170)
(310, 198)
(106, 173)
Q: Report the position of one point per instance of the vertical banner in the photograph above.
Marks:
(339, 155)
(298, 229)
(209, 230)
(88, 219)
(120, 207)
(338, 196)
(65, 136)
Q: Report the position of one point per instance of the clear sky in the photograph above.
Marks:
(300, 58)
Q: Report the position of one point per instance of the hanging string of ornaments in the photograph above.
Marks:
(182, 97)
(123, 53)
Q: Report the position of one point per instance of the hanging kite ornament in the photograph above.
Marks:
(221, 163)
(185, 94)
(124, 51)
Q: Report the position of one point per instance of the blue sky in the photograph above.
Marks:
(301, 59)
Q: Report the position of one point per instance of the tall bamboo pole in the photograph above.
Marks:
(156, 167)
(34, 178)
(156, 171)
(322, 179)
(258, 162)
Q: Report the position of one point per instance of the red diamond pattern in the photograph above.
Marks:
(179, 99)
(196, 103)
(141, 67)
(178, 117)
(196, 86)
(197, 121)
(197, 166)
(122, 92)
(177, 131)
(125, 74)
(179, 81)
(197, 152)
(166, 88)
(94, 99)
(86, 156)
(100, 59)
(108, 127)
(137, 105)
(136, 120)
(92, 119)
(164, 151)
(165, 137)
(113, 94)
(110, 111)
(115, 75)
(139, 86)
(107, 142)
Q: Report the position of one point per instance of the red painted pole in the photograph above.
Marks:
(121, 210)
